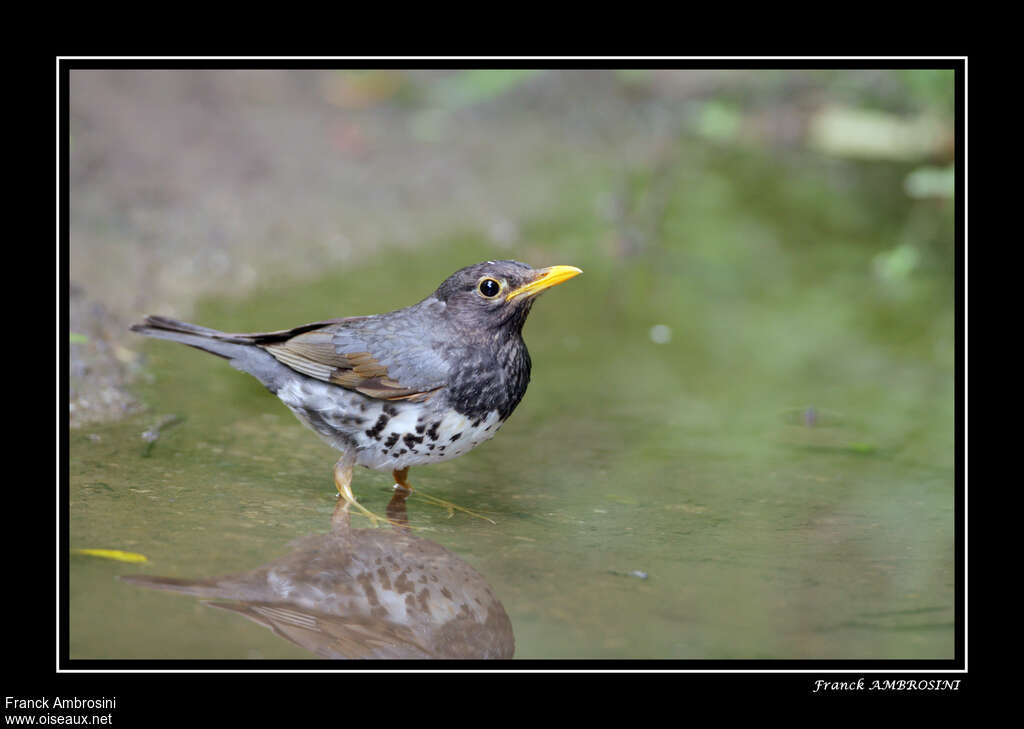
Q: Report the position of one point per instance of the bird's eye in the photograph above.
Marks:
(489, 288)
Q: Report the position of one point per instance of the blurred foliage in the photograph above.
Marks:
(853, 132)
(898, 91)
(361, 89)
(930, 89)
(475, 86)
(459, 90)
(927, 182)
(717, 120)
(903, 114)
(897, 263)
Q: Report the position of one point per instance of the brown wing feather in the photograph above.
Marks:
(313, 354)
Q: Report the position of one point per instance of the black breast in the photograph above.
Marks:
(490, 378)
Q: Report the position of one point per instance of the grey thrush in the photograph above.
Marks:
(418, 385)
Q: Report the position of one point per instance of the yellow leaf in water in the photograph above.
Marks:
(112, 554)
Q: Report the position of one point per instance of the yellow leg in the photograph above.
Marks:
(401, 481)
(343, 482)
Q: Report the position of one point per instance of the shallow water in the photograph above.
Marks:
(738, 441)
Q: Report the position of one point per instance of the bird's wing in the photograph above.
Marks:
(381, 357)
(333, 636)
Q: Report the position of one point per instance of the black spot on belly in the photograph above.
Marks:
(476, 423)
(433, 430)
(378, 427)
(455, 437)
(411, 440)
(420, 428)
(390, 410)
(401, 452)
(392, 439)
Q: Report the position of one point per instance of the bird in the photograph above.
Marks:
(364, 593)
(411, 387)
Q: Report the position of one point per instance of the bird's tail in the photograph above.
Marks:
(243, 351)
(203, 588)
(209, 340)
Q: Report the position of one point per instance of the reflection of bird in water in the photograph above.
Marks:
(365, 593)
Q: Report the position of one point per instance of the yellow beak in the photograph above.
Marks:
(547, 278)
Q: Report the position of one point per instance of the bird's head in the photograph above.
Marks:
(497, 294)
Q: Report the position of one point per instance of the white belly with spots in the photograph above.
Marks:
(443, 437)
(386, 435)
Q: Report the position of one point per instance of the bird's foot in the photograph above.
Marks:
(403, 487)
(350, 505)
(451, 507)
(343, 482)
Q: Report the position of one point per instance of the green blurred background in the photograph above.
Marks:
(739, 438)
